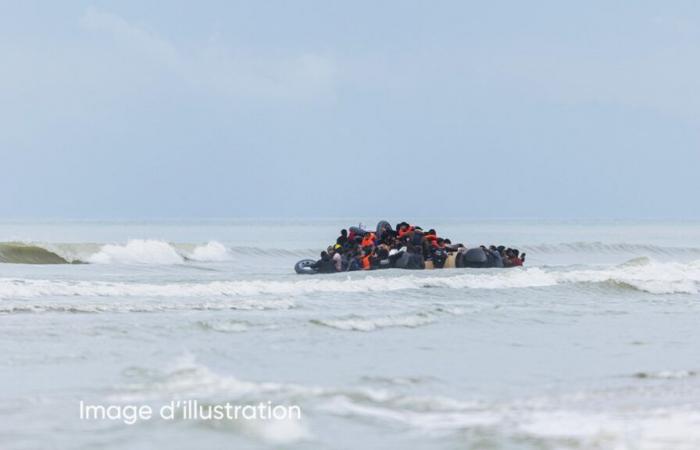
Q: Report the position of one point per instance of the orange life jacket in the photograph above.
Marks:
(368, 240)
(365, 262)
(408, 229)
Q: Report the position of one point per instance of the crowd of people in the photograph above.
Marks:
(405, 246)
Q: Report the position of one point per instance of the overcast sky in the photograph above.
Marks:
(542, 109)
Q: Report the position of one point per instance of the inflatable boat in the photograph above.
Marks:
(478, 257)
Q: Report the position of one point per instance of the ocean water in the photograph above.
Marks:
(594, 344)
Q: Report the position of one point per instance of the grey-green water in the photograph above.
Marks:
(594, 344)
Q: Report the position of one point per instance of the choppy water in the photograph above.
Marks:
(594, 344)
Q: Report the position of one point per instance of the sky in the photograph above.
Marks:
(225, 109)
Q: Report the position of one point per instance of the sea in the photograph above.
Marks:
(593, 344)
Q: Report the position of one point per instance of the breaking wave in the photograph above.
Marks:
(151, 251)
(611, 248)
(357, 323)
(21, 253)
(639, 275)
(554, 421)
(135, 251)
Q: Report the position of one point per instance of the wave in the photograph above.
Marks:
(151, 251)
(667, 374)
(21, 253)
(357, 323)
(651, 277)
(93, 307)
(568, 420)
(614, 248)
(134, 251)
(642, 275)
(137, 251)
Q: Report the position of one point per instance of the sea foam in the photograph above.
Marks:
(651, 277)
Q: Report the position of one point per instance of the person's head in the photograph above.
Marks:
(431, 232)
(516, 252)
(440, 241)
(324, 254)
(448, 242)
(344, 232)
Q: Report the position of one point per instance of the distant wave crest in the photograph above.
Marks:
(152, 251)
(610, 248)
(134, 251)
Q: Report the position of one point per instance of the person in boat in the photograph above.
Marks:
(368, 240)
(382, 260)
(354, 260)
(325, 264)
(366, 258)
(439, 254)
(337, 257)
(512, 258)
(343, 238)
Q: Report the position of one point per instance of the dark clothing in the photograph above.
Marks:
(439, 258)
(325, 265)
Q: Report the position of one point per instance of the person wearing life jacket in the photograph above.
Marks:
(431, 236)
(367, 240)
(517, 259)
(404, 229)
(417, 236)
(366, 258)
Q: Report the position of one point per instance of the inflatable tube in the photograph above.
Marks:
(358, 231)
(402, 261)
(381, 226)
(415, 261)
(304, 267)
(475, 257)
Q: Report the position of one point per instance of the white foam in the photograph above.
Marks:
(647, 276)
(146, 307)
(137, 251)
(667, 374)
(224, 326)
(652, 429)
(212, 251)
(572, 421)
(375, 323)
(655, 278)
